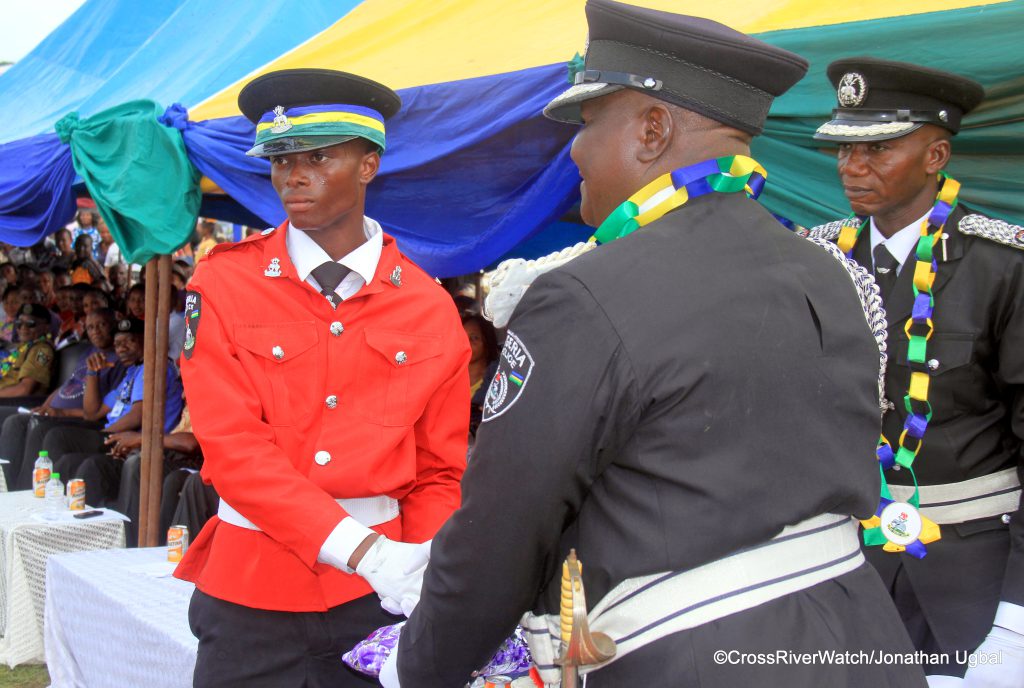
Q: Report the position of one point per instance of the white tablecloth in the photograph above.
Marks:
(110, 623)
(26, 542)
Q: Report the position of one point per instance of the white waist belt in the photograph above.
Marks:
(639, 611)
(369, 511)
(984, 497)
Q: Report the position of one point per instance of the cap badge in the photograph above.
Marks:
(274, 269)
(396, 276)
(281, 123)
(852, 89)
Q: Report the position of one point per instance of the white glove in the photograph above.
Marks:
(395, 571)
(1000, 661)
(389, 671)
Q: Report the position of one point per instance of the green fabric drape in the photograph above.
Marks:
(137, 172)
(980, 42)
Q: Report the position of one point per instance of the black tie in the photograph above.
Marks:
(329, 276)
(885, 270)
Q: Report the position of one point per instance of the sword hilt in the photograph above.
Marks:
(581, 647)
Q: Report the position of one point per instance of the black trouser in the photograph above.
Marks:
(67, 439)
(101, 473)
(197, 503)
(22, 438)
(128, 493)
(240, 647)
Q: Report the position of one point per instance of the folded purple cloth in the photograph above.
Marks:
(368, 656)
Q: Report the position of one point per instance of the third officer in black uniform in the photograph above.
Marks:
(952, 281)
(692, 406)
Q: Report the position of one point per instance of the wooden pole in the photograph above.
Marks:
(159, 399)
(148, 370)
(158, 302)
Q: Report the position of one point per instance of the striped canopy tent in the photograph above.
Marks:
(98, 63)
(473, 171)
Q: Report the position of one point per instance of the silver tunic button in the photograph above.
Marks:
(337, 328)
(933, 364)
(278, 352)
(1005, 518)
(401, 358)
(322, 458)
(332, 401)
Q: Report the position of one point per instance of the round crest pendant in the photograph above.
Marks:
(901, 523)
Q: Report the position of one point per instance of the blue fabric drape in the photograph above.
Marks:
(217, 148)
(36, 175)
(439, 191)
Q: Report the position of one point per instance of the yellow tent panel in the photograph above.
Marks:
(405, 43)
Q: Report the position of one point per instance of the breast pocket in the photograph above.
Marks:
(397, 373)
(288, 354)
(955, 376)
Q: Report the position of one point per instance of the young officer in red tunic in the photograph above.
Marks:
(327, 378)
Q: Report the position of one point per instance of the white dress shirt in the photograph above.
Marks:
(901, 243)
(306, 255)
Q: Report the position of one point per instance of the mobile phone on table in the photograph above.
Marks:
(89, 514)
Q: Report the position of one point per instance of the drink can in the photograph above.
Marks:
(177, 542)
(76, 495)
(40, 476)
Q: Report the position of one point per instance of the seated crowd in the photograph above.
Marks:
(71, 376)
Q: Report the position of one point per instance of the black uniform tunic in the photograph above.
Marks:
(669, 398)
(977, 428)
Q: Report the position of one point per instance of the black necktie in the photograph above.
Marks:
(329, 276)
(885, 269)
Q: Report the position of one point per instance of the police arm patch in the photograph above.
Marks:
(514, 370)
(193, 301)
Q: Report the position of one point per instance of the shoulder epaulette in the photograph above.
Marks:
(994, 230)
(828, 231)
(228, 245)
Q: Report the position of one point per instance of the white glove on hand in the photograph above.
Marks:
(395, 571)
(1003, 652)
(389, 670)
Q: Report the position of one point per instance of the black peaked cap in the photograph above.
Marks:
(300, 87)
(702, 65)
(884, 99)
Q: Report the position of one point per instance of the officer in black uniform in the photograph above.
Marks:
(893, 124)
(673, 397)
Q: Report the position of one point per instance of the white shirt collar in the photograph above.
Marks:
(902, 242)
(306, 255)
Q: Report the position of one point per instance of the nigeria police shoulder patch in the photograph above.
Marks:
(193, 301)
(508, 383)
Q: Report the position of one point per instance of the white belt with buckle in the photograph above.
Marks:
(991, 495)
(369, 511)
(640, 610)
